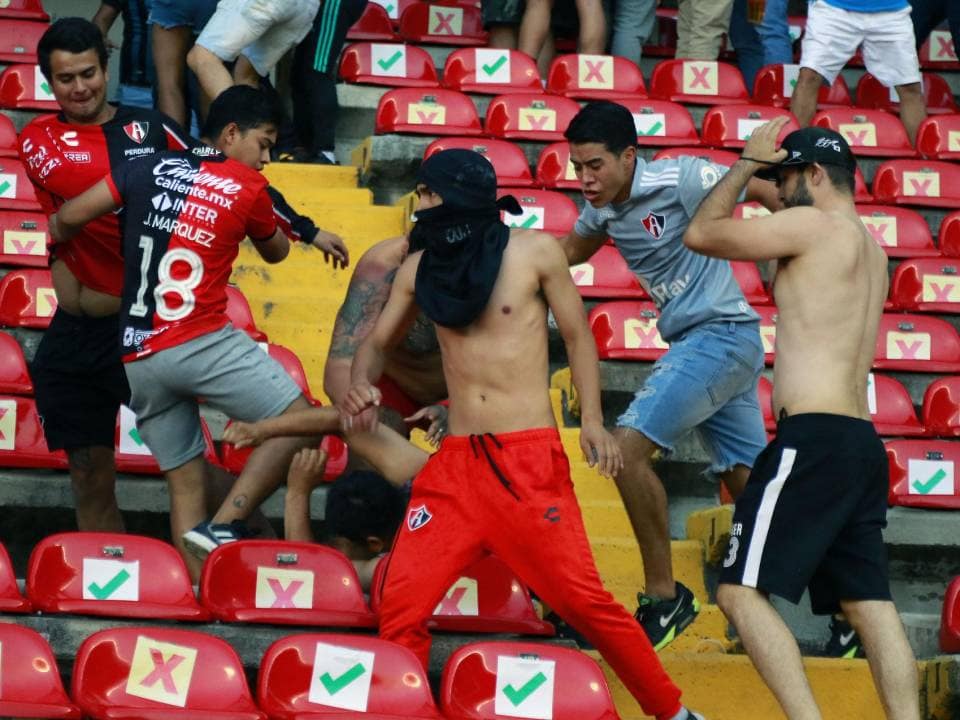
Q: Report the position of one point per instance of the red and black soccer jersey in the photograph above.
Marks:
(186, 215)
(63, 160)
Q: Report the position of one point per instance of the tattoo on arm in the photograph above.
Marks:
(365, 298)
(240, 501)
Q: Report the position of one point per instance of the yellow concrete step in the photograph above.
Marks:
(621, 567)
(290, 175)
(711, 527)
(315, 201)
(604, 516)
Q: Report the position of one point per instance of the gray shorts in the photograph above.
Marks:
(226, 368)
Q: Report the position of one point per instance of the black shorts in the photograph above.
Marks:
(79, 381)
(812, 515)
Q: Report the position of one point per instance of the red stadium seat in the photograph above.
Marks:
(25, 239)
(395, 8)
(552, 212)
(720, 157)
(27, 298)
(917, 343)
(240, 314)
(530, 117)
(8, 138)
(937, 95)
(861, 194)
(768, 331)
(606, 275)
(427, 112)
(373, 26)
(491, 71)
(938, 137)
(442, 24)
(234, 460)
(509, 162)
(23, 87)
(750, 282)
(941, 407)
(486, 598)
(891, 408)
(554, 169)
(699, 82)
(926, 285)
(481, 681)
(160, 673)
(922, 473)
(24, 10)
(948, 238)
(950, 619)
(869, 132)
(660, 122)
(595, 77)
(14, 376)
(938, 53)
(749, 210)
(625, 330)
(31, 680)
(291, 363)
(18, 40)
(388, 64)
(918, 182)
(131, 454)
(274, 581)
(730, 127)
(765, 398)
(298, 673)
(773, 85)
(16, 190)
(111, 575)
(22, 443)
(11, 601)
(901, 232)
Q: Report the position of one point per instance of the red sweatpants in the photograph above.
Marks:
(511, 495)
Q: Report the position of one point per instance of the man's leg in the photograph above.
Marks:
(535, 27)
(593, 27)
(711, 19)
(170, 47)
(187, 485)
(219, 481)
(632, 27)
(803, 103)
(913, 109)
(93, 478)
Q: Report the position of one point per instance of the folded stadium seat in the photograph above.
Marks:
(698, 82)
(748, 278)
(918, 182)
(14, 375)
(917, 343)
(950, 619)
(923, 473)
(948, 237)
(595, 77)
(442, 23)
(508, 160)
(768, 331)
(937, 95)
(530, 117)
(765, 398)
(23, 87)
(160, 673)
(304, 677)
(491, 71)
(389, 64)
(18, 40)
(287, 583)
(486, 598)
(373, 26)
(749, 210)
(861, 193)
(234, 460)
(395, 9)
(11, 601)
(8, 138)
(24, 10)
(606, 275)
(131, 454)
(661, 122)
(111, 575)
(22, 443)
(938, 137)
(554, 169)
(666, 45)
(720, 157)
(240, 314)
(937, 53)
(27, 298)
(25, 239)
(773, 85)
(546, 210)
(731, 127)
(16, 190)
(31, 680)
(901, 232)
(871, 133)
(926, 285)
(941, 407)
(891, 408)
(627, 330)
(487, 680)
(426, 112)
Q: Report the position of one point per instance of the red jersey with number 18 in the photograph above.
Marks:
(186, 215)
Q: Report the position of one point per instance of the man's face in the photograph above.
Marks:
(792, 184)
(604, 177)
(426, 198)
(250, 147)
(79, 84)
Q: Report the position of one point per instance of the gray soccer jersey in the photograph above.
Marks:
(647, 228)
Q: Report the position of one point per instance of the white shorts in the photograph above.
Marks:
(833, 35)
(260, 30)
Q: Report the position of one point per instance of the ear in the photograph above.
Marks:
(816, 174)
(375, 544)
(229, 135)
(629, 153)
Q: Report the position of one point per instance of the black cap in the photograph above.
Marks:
(812, 145)
(465, 180)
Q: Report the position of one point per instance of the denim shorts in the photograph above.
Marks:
(706, 382)
(176, 13)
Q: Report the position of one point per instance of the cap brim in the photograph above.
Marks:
(772, 172)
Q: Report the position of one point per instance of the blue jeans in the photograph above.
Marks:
(135, 96)
(632, 25)
(706, 382)
(765, 44)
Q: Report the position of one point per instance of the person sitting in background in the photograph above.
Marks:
(136, 57)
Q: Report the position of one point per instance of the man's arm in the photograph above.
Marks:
(578, 248)
(308, 423)
(104, 18)
(87, 206)
(764, 192)
(263, 229)
(302, 228)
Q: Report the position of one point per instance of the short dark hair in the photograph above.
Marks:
(843, 178)
(363, 504)
(73, 35)
(604, 122)
(246, 106)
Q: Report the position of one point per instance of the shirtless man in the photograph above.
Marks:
(500, 481)
(813, 509)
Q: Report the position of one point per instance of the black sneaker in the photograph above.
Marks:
(663, 620)
(207, 537)
(844, 641)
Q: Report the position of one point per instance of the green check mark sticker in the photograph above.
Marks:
(926, 487)
(389, 10)
(518, 695)
(105, 591)
(793, 84)
(333, 685)
(529, 222)
(4, 186)
(653, 129)
(135, 436)
(46, 88)
(387, 63)
(492, 68)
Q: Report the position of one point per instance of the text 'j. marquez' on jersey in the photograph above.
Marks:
(186, 214)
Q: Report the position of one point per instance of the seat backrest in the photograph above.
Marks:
(719, 157)
(554, 169)
(16, 190)
(861, 193)
(625, 330)
(291, 363)
(607, 275)
(427, 112)
(891, 408)
(923, 473)
(917, 343)
(18, 40)
(938, 52)
(731, 126)
(901, 232)
(765, 398)
(768, 331)
(281, 582)
(699, 82)
(918, 182)
(27, 298)
(508, 160)
(10, 598)
(25, 238)
(948, 237)
(530, 116)
(23, 87)
(240, 314)
(390, 64)
(14, 376)
(312, 673)
(546, 210)
(868, 132)
(131, 454)
(661, 122)
(950, 618)
(491, 71)
(374, 25)
(113, 575)
(748, 278)
(938, 97)
(941, 407)
(22, 443)
(30, 683)
(595, 77)
(749, 210)
(8, 138)
(443, 23)
(24, 10)
(926, 285)
(234, 459)
(938, 137)
(774, 84)
(127, 671)
(490, 680)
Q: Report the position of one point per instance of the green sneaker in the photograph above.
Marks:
(844, 641)
(663, 620)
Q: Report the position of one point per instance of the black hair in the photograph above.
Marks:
(246, 106)
(363, 504)
(843, 178)
(73, 35)
(604, 122)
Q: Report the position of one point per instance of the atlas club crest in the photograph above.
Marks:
(137, 131)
